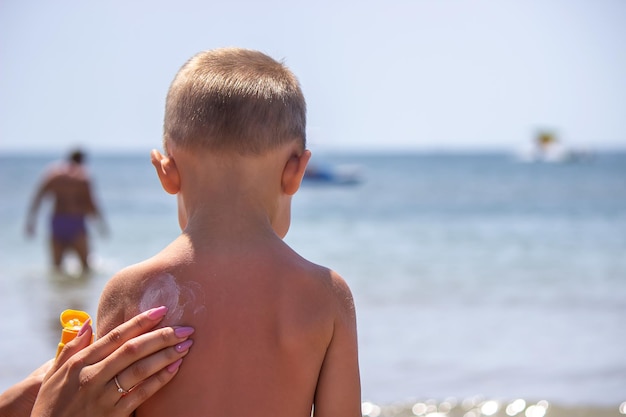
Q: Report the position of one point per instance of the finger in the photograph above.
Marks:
(139, 324)
(129, 403)
(146, 354)
(141, 370)
(80, 342)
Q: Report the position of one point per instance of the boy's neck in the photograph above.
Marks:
(230, 197)
(222, 216)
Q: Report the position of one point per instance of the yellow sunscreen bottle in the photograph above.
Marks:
(72, 321)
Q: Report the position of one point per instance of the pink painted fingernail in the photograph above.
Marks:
(183, 331)
(86, 325)
(174, 365)
(156, 313)
(183, 346)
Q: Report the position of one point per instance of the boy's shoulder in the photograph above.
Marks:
(121, 294)
(331, 283)
(304, 276)
(342, 295)
(335, 282)
(127, 279)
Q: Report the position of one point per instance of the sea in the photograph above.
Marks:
(475, 275)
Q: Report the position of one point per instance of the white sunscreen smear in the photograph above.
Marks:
(163, 290)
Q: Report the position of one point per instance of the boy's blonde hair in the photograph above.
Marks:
(234, 99)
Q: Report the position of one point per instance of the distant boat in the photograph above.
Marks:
(333, 174)
(546, 148)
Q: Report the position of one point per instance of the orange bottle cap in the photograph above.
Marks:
(72, 321)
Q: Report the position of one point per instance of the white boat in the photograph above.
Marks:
(546, 148)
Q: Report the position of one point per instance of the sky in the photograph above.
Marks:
(393, 75)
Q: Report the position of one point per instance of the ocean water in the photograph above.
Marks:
(473, 274)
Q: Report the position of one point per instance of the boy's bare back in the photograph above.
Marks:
(265, 322)
(275, 334)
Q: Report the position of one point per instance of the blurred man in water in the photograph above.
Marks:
(69, 185)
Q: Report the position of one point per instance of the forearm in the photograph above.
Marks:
(18, 400)
(33, 209)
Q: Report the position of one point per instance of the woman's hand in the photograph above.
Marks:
(117, 373)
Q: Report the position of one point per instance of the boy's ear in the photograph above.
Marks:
(167, 171)
(294, 172)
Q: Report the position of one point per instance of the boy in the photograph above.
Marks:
(275, 334)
